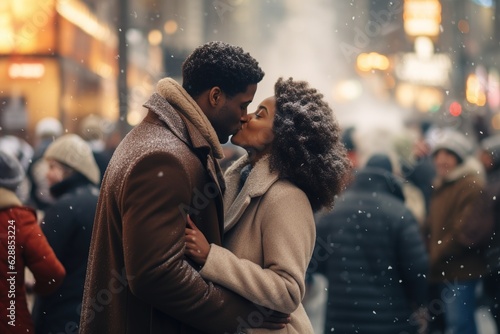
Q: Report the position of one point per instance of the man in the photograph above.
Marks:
(370, 249)
(489, 155)
(138, 280)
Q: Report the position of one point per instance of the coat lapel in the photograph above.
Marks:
(168, 115)
(188, 133)
(258, 182)
(191, 136)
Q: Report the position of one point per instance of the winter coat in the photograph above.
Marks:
(68, 226)
(371, 250)
(452, 200)
(23, 245)
(139, 280)
(492, 249)
(269, 234)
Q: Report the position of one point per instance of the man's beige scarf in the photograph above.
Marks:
(184, 103)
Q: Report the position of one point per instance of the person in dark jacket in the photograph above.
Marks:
(490, 158)
(23, 244)
(73, 175)
(370, 249)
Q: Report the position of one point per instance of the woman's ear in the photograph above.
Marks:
(215, 96)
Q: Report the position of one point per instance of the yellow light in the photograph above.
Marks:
(405, 95)
(6, 35)
(481, 99)
(381, 62)
(155, 37)
(170, 27)
(422, 17)
(78, 13)
(495, 122)
(134, 117)
(473, 91)
(363, 62)
(26, 71)
(372, 61)
(104, 70)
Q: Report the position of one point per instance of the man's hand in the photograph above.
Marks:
(274, 320)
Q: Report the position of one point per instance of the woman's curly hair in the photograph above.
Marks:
(307, 149)
(219, 64)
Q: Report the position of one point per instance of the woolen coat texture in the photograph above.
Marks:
(269, 236)
(138, 278)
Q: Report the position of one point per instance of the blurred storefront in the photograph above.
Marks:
(57, 58)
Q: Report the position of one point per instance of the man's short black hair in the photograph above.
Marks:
(219, 64)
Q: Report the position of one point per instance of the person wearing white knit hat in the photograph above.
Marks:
(73, 177)
(451, 226)
(72, 151)
(453, 142)
(48, 127)
(46, 131)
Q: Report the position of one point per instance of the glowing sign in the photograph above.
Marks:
(431, 71)
(26, 71)
(422, 17)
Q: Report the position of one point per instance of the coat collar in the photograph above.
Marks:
(258, 182)
(179, 98)
(188, 133)
(8, 199)
(378, 180)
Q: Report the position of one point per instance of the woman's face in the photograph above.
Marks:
(257, 131)
(56, 172)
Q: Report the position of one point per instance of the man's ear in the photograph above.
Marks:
(215, 96)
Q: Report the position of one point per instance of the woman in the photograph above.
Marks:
(295, 166)
(73, 177)
(23, 245)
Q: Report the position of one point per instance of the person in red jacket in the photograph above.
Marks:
(22, 244)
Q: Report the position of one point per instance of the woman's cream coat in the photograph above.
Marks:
(269, 233)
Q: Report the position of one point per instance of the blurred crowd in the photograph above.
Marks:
(411, 245)
(48, 198)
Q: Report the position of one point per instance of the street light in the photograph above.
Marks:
(372, 61)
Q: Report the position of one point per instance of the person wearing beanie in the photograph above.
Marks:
(47, 130)
(489, 154)
(23, 245)
(23, 152)
(92, 131)
(73, 177)
(456, 263)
